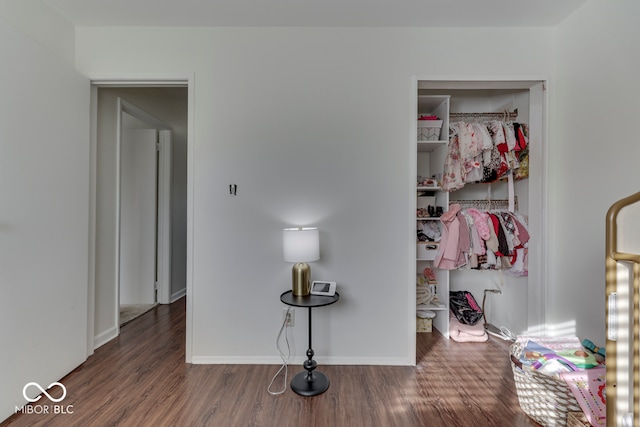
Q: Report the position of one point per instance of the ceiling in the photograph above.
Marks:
(316, 13)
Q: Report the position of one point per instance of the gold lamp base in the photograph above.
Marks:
(300, 274)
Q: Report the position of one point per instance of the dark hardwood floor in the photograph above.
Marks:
(140, 379)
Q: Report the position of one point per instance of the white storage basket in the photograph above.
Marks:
(429, 130)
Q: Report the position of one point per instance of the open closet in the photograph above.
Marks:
(508, 186)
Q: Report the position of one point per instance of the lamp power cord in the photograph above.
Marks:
(284, 357)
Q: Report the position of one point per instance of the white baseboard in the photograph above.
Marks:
(298, 360)
(226, 360)
(177, 295)
(104, 337)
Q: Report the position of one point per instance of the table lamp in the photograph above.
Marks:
(301, 245)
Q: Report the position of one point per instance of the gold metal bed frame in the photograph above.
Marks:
(630, 396)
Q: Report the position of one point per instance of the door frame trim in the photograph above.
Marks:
(188, 80)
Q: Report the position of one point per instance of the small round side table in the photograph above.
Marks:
(309, 382)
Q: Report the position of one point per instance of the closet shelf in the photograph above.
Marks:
(435, 306)
(430, 157)
(428, 146)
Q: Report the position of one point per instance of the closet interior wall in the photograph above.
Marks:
(508, 308)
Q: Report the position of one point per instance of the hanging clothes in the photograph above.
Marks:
(483, 240)
(485, 152)
(453, 175)
(450, 255)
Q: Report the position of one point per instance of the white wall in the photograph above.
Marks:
(313, 125)
(44, 176)
(594, 153)
(44, 25)
(170, 106)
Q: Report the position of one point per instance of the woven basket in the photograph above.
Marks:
(577, 419)
(545, 399)
(423, 325)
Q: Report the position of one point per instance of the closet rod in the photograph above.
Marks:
(486, 204)
(510, 115)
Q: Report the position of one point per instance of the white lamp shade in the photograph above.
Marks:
(301, 244)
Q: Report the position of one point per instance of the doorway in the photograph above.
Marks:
(144, 235)
(518, 306)
(164, 105)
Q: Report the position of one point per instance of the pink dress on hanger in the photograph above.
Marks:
(449, 255)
